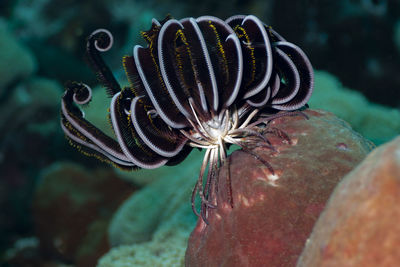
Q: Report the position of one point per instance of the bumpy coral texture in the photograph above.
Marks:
(375, 122)
(273, 216)
(329, 95)
(360, 226)
(152, 227)
(158, 237)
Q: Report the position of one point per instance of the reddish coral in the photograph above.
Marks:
(273, 215)
(72, 208)
(360, 226)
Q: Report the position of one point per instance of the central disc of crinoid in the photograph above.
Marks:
(216, 133)
(219, 127)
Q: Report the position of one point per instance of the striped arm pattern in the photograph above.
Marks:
(199, 82)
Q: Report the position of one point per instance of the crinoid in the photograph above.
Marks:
(204, 83)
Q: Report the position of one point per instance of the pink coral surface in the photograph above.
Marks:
(360, 226)
(273, 215)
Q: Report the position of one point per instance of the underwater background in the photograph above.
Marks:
(60, 208)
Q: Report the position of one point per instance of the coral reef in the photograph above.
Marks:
(42, 45)
(159, 216)
(152, 227)
(154, 204)
(28, 125)
(165, 249)
(273, 215)
(360, 225)
(16, 62)
(375, 122)
(72, 211)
